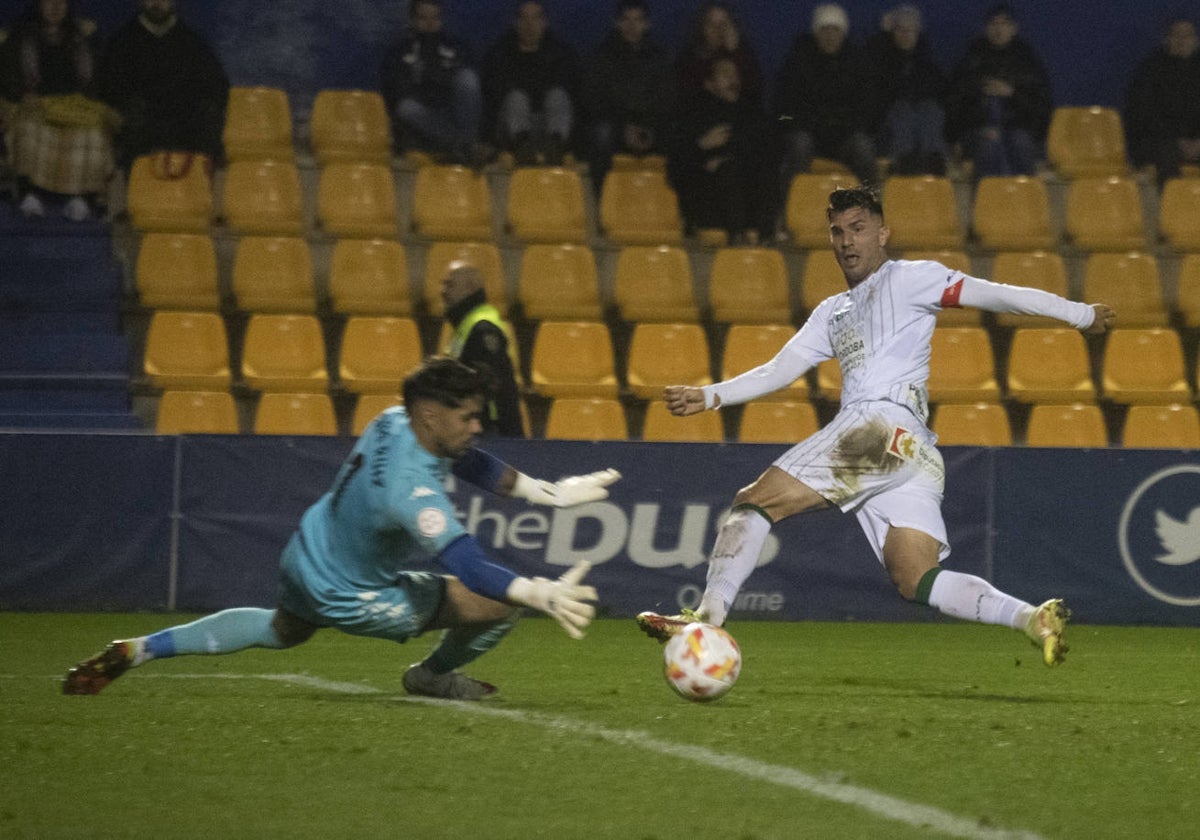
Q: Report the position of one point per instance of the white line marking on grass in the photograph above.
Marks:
(879, 804)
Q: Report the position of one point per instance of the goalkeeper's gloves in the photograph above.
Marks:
(565, 600)
(566, 492)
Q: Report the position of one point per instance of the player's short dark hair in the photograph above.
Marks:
(444, 380)
(847, 198)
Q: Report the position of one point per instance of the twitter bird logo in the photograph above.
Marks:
(1180, 539)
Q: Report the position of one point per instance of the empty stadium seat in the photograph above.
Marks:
(452, 202)
(573, 359)
(972, 424)
(922, 212)
(369, 406)
(1105, 214)
(1086, 142)
(1043, 270)
(1049, 365)
(357, 200)
(196, 412)
(377, 353)
(1187, 291)
(1144, 366)
(284, 353)
(177, 271)
(170, 192)
(661, 425)
(258, 125)
(749, 345)
(822, 278)
(961, 366)
(829, 380)
(654, 283)
(273, 274)
(369, 277)
(749, 286)
(777, 422)
(1074, 425)
(545, 204)
(485, 256)
(807, 199)
(639, 207)
(262, 197)
(282, 413)
(1179, 214)
(559, 282)
(1162, 426)
(627, 161)
(187, 350)
(350, 126)
(667, 354)
(1013, 214)
(1130, 284)
(586, 419)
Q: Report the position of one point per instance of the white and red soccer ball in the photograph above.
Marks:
(701, 662)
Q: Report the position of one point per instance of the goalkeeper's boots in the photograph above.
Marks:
(1046, 628)
(663, 627)
(91, 675)
(419, 679)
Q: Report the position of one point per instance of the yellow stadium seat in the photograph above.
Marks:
(661, 425)
(559, 282)
(368, 407)
(350, 126)
(667, 354)
(377, 353)
(1049, 365)
(483, 255)
(1162, 426)
(171, 191)
(188, 350)
(1074, 425)
(273, 274)
(1043, 270)
(281, 413)
(177, 271)
(654, 283)
(284, 353)
(777, 422)
(961, 366)
(1130, 284)
(1179, 214)
(1086, 142)
(639, 207)
(1144, 366)
(1105, 214)
(357, 200)
(1013, 214)
(749, 286)
(573, 359)
(369, 277)
(196, 412)
(1187, 291)
(262, 198)
(822, 278)
(545, 204)
(922, 212)
(829, 380)
(749, 345)
(972, 424)
(452, 202)
(626, 161)
(807, 199)
(586, 419)
(258, 125)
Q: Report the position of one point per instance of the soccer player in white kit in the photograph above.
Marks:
(877, 457)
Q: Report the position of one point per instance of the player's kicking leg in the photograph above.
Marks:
(662, 627)
(1046, 629)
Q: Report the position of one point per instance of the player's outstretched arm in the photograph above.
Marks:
(684, 400)
(487, 471)
(1104, 319)
(565, 599)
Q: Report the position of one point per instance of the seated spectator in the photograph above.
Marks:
(718, 164)
(628, 91)
(911, 88)
(59, 138)
(824, 99)
(714, 32)
(167, 84)
(1162, 105)
(530, 83)
(999, 103)
(432, 92)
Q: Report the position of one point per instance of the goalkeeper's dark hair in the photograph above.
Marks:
(444, 380)
(847, 198)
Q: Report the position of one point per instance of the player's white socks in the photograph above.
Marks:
(734, 556)
(974, 599)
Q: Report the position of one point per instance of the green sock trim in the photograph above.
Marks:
(756, 509)
(925, 585)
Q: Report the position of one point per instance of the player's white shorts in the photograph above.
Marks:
(878, 460)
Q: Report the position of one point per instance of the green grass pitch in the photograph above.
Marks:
(833, 731)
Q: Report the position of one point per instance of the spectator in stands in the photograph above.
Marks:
(167, 83)
(911, 88)
(824, 99)
(483, 340)
(717, 164)
(432, 91)
(531, 80)
(628, 91)
(1162, 105)
(715, 31)
(1000, 102)
(59, 138)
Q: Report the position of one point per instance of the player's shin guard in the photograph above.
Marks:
(224, 632)
(461, 645)
(971, 598)
(734, 556)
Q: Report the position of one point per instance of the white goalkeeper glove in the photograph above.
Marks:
(566, 492)
(565, 600)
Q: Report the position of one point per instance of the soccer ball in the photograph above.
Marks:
(702, 662)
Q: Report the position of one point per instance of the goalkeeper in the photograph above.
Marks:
(388, 505)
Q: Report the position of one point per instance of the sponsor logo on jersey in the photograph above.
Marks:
(431, 522)
(422, 492)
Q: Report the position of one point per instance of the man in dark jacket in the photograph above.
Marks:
(1162, 105)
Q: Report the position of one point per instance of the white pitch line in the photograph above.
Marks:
(879, 804)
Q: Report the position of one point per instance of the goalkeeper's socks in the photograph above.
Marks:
(974, 599)
(224, 632)
(461, 645)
